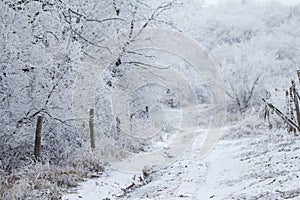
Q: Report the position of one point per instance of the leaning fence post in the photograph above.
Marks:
(91, 125)
(38, 138)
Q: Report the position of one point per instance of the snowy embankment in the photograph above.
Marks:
(248, 163)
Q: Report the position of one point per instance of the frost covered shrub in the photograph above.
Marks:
(254, 45)
(37, 182)
(44, 181)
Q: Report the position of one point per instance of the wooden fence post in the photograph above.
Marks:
(91, 125)
(288, 105)
(291, 108)
(118, 124)
(296, 102)
(298, 73)
(38, 138)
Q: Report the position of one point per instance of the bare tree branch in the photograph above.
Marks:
(106, 20)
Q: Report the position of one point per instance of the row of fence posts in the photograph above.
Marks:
(293, 126)
(38, 134)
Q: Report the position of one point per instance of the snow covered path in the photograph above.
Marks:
(258, 166)
(186, 174)
(195, 178)
(245, 167)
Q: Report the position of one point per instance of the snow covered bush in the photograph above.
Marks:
(254, 45)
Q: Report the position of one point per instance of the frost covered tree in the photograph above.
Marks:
(254, 45)
(42, 43)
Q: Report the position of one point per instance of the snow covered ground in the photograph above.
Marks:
(247, 163)
(237, 169)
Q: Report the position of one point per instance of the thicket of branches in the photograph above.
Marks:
(42, 45)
